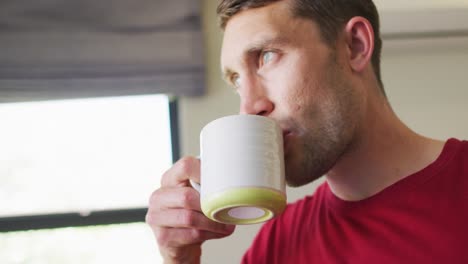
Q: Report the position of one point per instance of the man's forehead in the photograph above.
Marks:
(253, 26)
(278, 12)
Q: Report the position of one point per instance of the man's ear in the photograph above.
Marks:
(359, 36)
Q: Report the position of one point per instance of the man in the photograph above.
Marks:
(390, 196)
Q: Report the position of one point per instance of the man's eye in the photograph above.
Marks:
(267, 57)
(235, 80)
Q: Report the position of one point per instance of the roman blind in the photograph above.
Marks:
(55, 49)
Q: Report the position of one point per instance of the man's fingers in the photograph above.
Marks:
(185, 236)
(172, 198)
(182, 218)
(183, 170)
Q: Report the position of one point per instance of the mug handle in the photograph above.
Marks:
(195, 185)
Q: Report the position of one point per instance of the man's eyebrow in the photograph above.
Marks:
(266, 42)
(255, 46)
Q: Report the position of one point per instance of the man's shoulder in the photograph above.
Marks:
(460, 158)
(457, 151)
(460, 144)
(464, 147)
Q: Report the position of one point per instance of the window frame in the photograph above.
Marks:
(98, 217)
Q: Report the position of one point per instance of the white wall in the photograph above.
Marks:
(419, 4)
(427, 86)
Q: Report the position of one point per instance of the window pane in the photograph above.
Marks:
(80, 155)
(119, 244)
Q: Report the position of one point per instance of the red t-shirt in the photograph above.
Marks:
(423, 218)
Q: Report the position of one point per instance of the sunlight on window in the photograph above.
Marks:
(117, 244)
(82, 155)
(91, 154)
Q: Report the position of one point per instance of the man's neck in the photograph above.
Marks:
(385, 152)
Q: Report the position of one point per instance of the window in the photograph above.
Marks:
(76, 176)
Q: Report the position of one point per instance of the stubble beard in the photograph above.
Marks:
(319, 153)
(321, 146)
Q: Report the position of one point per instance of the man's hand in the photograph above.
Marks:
(175, 216)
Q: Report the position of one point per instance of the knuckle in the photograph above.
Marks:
(150, 219)
(188, 218)
(187, 197)
(153, 198)
(165, 178)
(185, 164)
(196, 235)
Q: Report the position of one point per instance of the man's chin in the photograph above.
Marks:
(298, 182)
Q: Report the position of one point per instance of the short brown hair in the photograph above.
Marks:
(330, 15)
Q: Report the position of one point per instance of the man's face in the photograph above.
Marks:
(282, 69)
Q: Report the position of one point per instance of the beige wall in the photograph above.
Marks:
(426, 85)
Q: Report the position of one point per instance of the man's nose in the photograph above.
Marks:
(254, 101)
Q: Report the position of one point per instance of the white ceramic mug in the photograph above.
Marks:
(242, 169)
